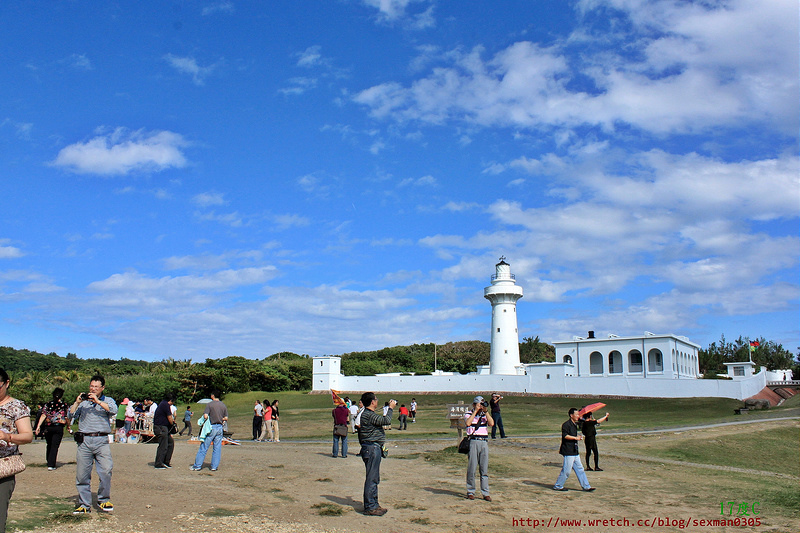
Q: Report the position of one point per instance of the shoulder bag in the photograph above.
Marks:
(11, 465)
(463, 446)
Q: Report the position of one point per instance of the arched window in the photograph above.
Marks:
(568, 359)
(655, 360)
(595, 363)
(634, 361)
(615, 362)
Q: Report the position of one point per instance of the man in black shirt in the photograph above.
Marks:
(569, 449)
(494, 406)
(589, 430)
(162, 423)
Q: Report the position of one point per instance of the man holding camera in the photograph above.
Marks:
(478, 422)
(494, 406)
(372, 437)
(94, 412)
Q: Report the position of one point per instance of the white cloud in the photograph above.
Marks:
(687, 226)
(298, 85)
(207, 199)
(424, 181)
(133, 292)
(22, 130)
(124, 151)
(389, 9)
(78, 61)
(189, 65)
(400, 12)
(457, 207)
(688, 76)
(220, 7)
(233, 219)
(290, 221)
(9, 252)
(310, 57)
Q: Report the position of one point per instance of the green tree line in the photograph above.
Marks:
(768, 354)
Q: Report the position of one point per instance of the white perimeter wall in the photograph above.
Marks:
(538, 382)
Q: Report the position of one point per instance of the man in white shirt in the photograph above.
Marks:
(353, 414)
(258, 418)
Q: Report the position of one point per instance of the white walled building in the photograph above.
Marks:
(651, 355)
(650, 365)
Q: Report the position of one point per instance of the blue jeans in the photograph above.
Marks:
(572, 462)
(336, 445)
(215, 437)
(371, 455)
(93, 450)
(498, 424)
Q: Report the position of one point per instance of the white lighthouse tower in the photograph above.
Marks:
(504, 293)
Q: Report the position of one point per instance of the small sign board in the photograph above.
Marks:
(458, 410)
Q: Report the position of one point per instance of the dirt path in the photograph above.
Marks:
(275, 487)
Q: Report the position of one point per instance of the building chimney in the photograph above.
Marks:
(591, 334)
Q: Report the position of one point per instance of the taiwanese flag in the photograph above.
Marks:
(337, 400)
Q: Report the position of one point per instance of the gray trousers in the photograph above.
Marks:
(7, 485)
(93, 450)
(478, 458)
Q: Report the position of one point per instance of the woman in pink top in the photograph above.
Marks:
(266, 427)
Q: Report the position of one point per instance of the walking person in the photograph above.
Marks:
(340, 414)
(276, 431)
(94, 412)
(15, 429)
(258, 419)
(494, 407)
(589, 430)
(478, 422)
(572, 458)
(162, 424)
(187, 421)
(372, 438)
(216, 413)
(51, 423)
(413, 407)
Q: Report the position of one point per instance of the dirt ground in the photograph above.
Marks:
(284, 487)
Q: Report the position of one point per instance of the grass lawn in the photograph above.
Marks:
(772, 449)
(308, 416)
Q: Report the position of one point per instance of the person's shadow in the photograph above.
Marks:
(345, 502)
(538, 484)
(445, 492)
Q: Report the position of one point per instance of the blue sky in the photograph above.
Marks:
(196, 179)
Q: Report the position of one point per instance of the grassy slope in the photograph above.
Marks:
(308, 415)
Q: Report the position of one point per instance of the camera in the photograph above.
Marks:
(484, 404)
(84, 396)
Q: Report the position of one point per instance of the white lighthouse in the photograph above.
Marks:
(504, 293)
